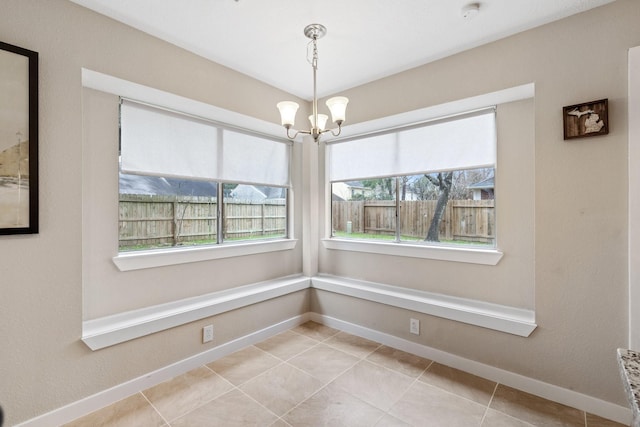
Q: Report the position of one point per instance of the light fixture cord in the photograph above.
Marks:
(315, 131)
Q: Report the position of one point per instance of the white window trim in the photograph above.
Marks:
(416, 250)
(444, 253)
(119, 87)
(127, 261)
(634, 197)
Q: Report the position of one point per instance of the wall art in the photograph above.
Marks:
(18, 140)
(588, 119)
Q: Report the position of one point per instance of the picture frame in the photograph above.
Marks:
(18, 140)
(586, 120)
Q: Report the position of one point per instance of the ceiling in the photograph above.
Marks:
(366, 39)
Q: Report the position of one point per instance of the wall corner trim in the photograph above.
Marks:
(513, 320)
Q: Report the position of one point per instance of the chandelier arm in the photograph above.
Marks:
(333, 130)
(297, 132)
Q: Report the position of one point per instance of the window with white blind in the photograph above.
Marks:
(431, 182)
(188, 181)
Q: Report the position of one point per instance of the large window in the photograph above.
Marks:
(431, 182)
(189, 181)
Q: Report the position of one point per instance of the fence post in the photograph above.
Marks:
(449, 221)
(175, 222)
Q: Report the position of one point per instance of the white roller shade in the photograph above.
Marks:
(255, 160)
(466, 142)
(169, 144)
(162, 143)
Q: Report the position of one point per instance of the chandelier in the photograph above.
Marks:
(337, 105)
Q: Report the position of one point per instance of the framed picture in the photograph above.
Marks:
(18, 140)
(588, 119)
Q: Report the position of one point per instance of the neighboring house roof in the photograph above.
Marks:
(159, 186)
(258, 192)
(355, 184)
(483, 185)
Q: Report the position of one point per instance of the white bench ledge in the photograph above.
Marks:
(514, 320)
(109, 330)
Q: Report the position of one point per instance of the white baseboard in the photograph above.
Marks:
(567, 397)
(99, 400)
(104, 398)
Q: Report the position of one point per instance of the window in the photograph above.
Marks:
(186, 181)
(431, 182)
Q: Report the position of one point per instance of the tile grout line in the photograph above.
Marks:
(260, 404)
(416, 379)
(282, 362)
(360, 359)
(154, 408)
(206, 402)
(329, 382)
(486, 410)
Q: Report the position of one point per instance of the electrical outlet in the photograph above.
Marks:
(414, 326)
(207, 334)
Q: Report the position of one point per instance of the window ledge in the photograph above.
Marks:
(117, 328)
(513, 320)
(127, 261)
(441, 253)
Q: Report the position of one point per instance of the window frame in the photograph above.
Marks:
(127, 261)
(397, 201)
(220, 221)
(407, 249)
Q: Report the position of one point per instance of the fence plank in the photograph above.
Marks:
(469, 220)
(169, 221)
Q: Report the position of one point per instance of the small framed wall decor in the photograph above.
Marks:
(18, 140)
(588, 119)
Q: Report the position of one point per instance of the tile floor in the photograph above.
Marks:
(313, 375)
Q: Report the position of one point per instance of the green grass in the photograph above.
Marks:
(200, 242)
(372, 236)
(390, 237)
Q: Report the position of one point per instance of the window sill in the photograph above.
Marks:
(162, 257)
(513, 320)
(117, 328)
(441, 253)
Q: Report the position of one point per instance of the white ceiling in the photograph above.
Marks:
(366, 39)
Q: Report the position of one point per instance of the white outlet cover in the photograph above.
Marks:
(207, 333)
(414, 326)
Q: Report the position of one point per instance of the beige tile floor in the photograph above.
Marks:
(313, 375)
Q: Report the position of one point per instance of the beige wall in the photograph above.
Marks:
(43, 363)
(580, 221)
(580, 207)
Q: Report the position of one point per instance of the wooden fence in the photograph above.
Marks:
(152, 221)
(463, 220)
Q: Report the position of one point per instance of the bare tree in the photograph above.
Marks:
(443, 181)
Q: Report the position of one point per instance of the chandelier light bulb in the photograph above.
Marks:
(322, 122)
(338, 107)
(288, 111)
